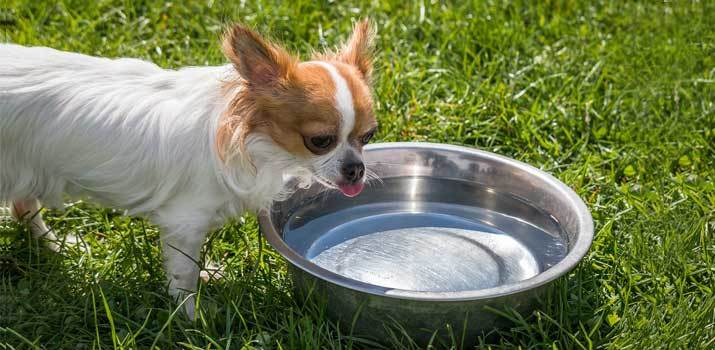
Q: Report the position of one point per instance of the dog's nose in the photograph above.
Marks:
(353, 172)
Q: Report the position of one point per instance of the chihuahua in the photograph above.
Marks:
(186, 148)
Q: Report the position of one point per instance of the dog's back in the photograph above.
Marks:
(76, 123)
(19, 61)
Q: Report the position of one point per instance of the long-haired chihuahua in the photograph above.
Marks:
(187, 148)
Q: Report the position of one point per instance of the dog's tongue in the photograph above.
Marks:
(352, 190)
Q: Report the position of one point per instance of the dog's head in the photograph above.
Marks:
(319, 111)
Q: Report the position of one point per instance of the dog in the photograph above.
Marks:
(187, 148)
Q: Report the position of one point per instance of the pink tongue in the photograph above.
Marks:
(352, 190)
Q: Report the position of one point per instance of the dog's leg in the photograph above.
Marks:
(181, 246)
(28, 211)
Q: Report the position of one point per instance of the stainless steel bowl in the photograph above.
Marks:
(448, 234)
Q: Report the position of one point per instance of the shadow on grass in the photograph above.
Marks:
(80, 300)
(65, 299)
(570, 303)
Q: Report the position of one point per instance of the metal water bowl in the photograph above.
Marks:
(448, 235)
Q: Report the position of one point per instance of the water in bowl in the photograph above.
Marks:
(463, 241)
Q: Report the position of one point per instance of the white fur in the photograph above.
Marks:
(130, 135)
(328, 174)
(343, 99)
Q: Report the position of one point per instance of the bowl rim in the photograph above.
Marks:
(574, 256)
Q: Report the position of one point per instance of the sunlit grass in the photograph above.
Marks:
(614, 98)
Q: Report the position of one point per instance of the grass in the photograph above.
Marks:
(614, 98)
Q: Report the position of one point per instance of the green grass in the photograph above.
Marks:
(614, 98)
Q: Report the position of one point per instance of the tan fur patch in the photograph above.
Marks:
(287, 100)
(304, 106)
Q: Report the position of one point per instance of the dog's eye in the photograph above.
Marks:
(365, 139)
(319, 144)
(322, 141)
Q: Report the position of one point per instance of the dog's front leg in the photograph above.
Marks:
(181, 245)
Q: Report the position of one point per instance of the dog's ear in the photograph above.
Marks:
(258, 61)
(358, 50)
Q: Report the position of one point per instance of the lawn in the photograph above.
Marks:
(614, 98)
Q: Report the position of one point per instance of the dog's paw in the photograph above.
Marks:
(211, 272)
(61, 244)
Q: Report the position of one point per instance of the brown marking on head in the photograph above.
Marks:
(263, 69)
(287, 100)
(305, 109)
